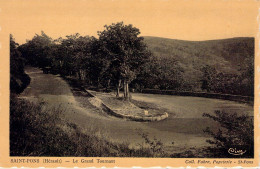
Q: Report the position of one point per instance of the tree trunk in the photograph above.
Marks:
(126, 91)
(124, 85)
(98, 83)
(108, 84)
(118, 88)
(79, 75)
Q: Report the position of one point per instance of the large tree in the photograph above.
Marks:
(37, 51)
(126, 50)
(18, 79)
(73, 55)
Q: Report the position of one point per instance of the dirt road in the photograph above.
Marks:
(184, 126)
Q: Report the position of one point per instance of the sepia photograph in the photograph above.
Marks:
(143, 79)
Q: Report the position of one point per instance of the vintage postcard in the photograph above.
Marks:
(129, 83)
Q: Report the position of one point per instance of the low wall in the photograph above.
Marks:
(201, 94)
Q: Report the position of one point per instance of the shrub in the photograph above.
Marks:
(154, 146)
(236, 131)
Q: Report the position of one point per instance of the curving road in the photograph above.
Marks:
(184, 126)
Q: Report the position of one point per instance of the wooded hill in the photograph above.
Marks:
(221, 66)
(226, 55)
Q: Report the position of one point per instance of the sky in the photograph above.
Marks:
(176, 19)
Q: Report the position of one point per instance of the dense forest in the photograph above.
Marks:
(121, 59)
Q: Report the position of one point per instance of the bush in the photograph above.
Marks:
(236, 131)
(155, 146)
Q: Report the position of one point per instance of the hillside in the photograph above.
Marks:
(219, 66)
(225, 55)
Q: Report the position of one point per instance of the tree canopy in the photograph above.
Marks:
(126, 51)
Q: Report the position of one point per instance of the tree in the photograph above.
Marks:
(73, 55)
(126, 51)
(247, 76)
(99, 63)
(209, 75)
(18, 79)
(37, 51)
(160, 73)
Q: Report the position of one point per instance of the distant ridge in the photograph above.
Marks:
(148, 37)
(226, 55)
